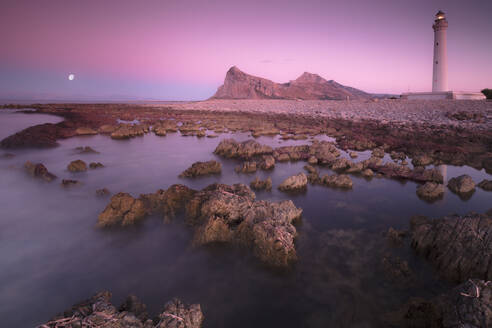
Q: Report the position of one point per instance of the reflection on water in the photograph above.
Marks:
(52, 255)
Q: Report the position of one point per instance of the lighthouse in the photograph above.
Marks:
(440, 88)
(440, 64)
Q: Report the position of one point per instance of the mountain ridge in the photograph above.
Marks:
(308, 86)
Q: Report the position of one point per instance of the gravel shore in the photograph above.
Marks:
(468, 113)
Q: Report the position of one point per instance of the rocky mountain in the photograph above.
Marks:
(308, 86)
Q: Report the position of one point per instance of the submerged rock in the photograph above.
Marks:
(230, 148)
(486, 185)
(122, 210)
(85, 150)
(77, 166)
(467, 305)
(338, 181)
(246, 167)
(458, 246)
(258, 184)
(98, 311)
(39, 171)
(202, 168)
(102, 192)
(397, 271)
(462, 185)
(95, 165)
(294, 183)
(430, 191)
(69, 182)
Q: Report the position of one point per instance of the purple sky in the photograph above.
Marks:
(179, 50)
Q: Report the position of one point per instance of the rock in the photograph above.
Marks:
(430, 191)
(168, 202)
(338, 181)
(126, 131)
(398, 156)
(107, 129)
(239, 85)
(85, 150)
(420, 174)
(268, 162)
(83, 131)
(283, 157)
(313, 160)
(355, 167)
(397, 271)
(246, 167)
(39, 171)
(230, 148)
(462, 185)
(96, 165)
(134, 305)
(325, 152)
(353, 154)
(202, 168)
(69, 182)
(77, 166)
(212, 135)
(395, 237)
(310, 169)
(422, 160)
(367, 173)
(340, 164)
(294, 183)
(98, 311)
(258, 184)
(102, 192)
(458, 246)
(178, 315)
(159, 130)
(265, 227)
(467, 305)
(486, 185)
(122, 210)
(377, 152)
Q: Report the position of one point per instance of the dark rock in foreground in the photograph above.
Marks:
(202, 168)
(458, 246)
(98, 311)
(39, 171)
(468, 305)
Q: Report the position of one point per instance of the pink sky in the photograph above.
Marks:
(182, 49)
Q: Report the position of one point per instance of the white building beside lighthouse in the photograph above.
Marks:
(440, 89)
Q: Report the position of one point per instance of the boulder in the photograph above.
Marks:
(168, 202)
(283, 157)
(83, 131)
(258, 184)
(398, 156)
(353, 154)
(202, 168)
(458, 246)
(467, 305)
(230, 148)
(107, 129)
(378, 152)
(95, 165)
(340, 164)
(354, 167)
(312, 160)
(422, 160)
(486, 185)
(126, 131)
(102, 192)
(430, 191)
(246, 167)
(122, 210)
(85, 150)
(268, 162)
(77, 166)
(98, 311)
(462, 185)
(69, 182)
(294, 183)
(39, 171)
(367, 173)
(337, 181)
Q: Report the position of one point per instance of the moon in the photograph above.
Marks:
(71, 77)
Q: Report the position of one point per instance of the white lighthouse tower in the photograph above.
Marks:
(440, 88)
(440, 64)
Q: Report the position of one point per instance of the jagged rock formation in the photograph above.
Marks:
(239, 85)
(458, 246)
(39, 171)
(98, 311)
(218, 214)
(202, 168)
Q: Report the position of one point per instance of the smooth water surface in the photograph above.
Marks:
(52, 255)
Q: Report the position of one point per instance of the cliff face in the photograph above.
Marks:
(239, 85)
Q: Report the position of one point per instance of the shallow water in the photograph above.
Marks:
(52, 255)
